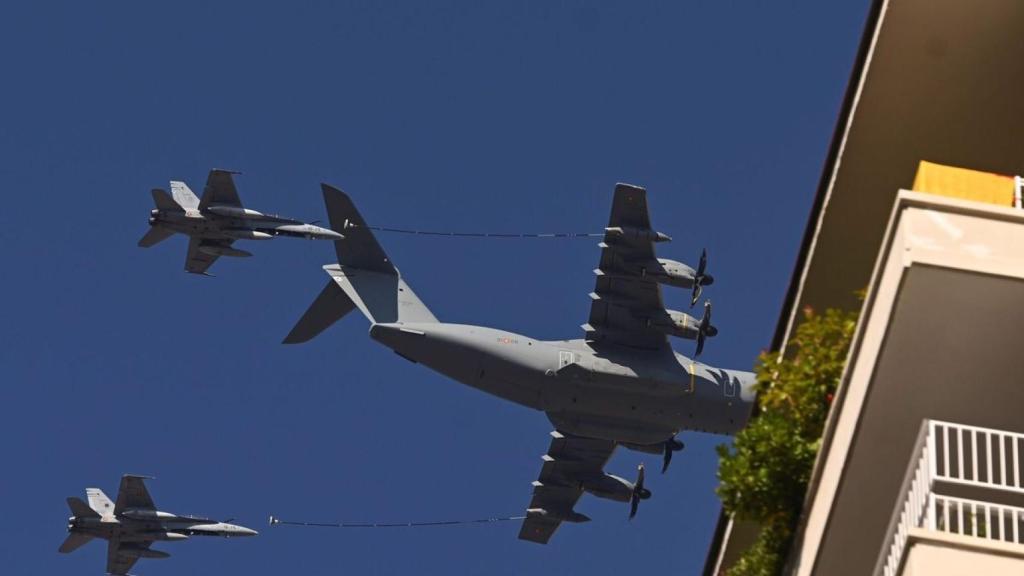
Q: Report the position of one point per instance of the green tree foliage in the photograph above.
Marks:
(764, 475)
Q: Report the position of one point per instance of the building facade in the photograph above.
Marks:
(942, 326)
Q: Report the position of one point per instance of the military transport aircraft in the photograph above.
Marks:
(216, 221)
(133, 523)
(621, 384)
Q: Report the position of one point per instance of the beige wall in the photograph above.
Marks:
(946, 555)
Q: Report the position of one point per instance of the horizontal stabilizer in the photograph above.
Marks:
(329, 307)
(80, 509)
(73, 542)
(155, 235)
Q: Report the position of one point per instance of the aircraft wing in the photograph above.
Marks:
(197, 261)
(118, 562)
(556, 491)
(133, 495)
(220, 189)
(624, 297)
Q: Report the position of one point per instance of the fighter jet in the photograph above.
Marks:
(619, 385)
(214, 222)
(132, 524)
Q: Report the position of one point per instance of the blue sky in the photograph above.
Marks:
(443, 115)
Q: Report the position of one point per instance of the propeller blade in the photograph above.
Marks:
(639, 492)
(705, 327)
(700, 278)
(671, 447)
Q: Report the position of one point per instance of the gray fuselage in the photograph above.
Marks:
(255, 226)
(632, 396)
(148, 525)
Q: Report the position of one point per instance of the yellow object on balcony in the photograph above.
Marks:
(963, 183)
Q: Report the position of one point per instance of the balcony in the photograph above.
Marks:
(963, 494)
(939, 338)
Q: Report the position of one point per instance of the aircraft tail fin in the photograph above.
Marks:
(164, 201)
(156, 233)
(99, 502)
(81, 509)
(184, 196)
(363, 278)
(73, 542)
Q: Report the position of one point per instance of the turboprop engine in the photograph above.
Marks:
(675, 323)
(619, 489)
(673, 273)
(246, 234)
(610, 487)
(679, 324)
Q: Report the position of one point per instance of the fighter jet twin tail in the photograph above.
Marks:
(133, 523)
(214, 222)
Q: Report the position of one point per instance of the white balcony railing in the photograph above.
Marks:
(978, 519)
(949, 457)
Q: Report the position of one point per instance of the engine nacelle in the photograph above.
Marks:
(234, 212)
(218, 250)
(676, 273)
(645, 448)
(679, 324)
(246, 234)
(610, 487)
